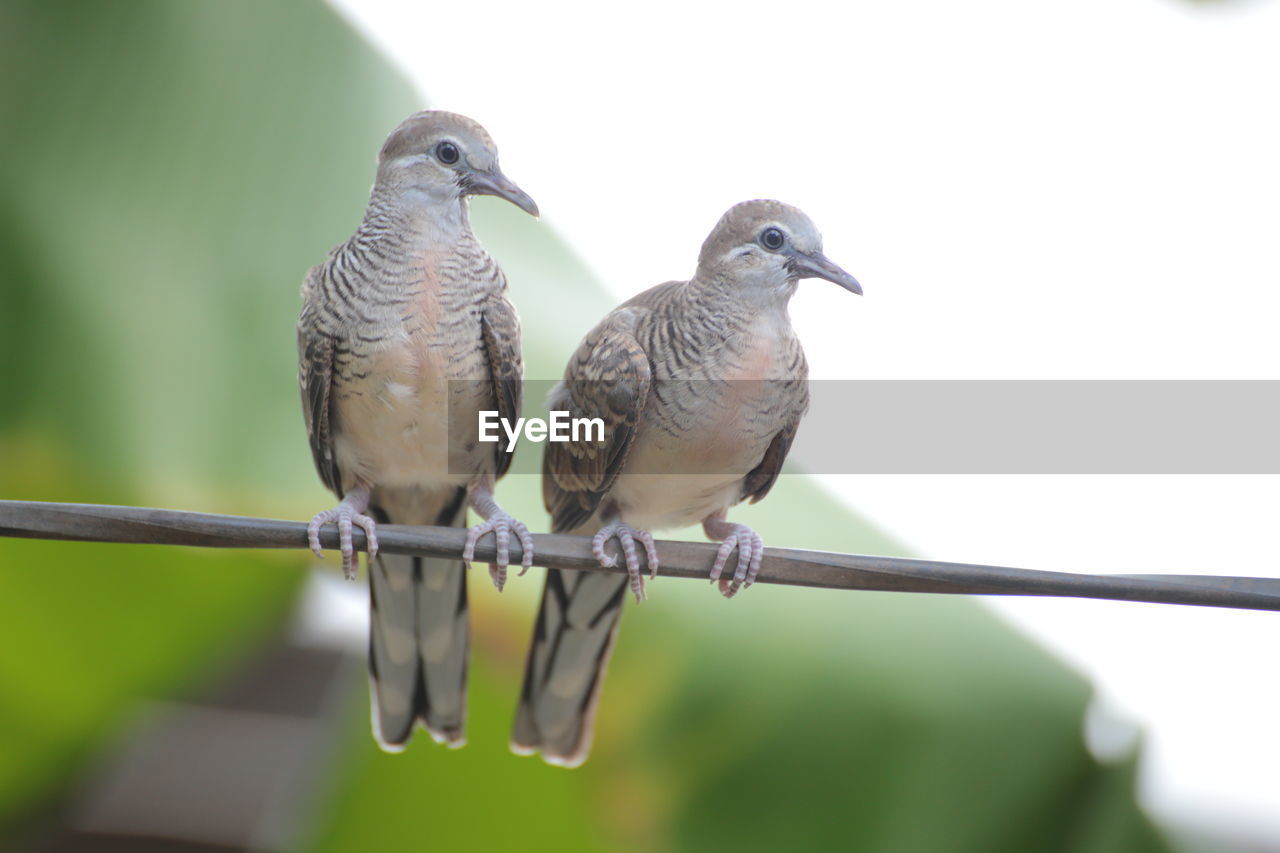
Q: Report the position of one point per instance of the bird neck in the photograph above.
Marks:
(737, 299)
(426, 219)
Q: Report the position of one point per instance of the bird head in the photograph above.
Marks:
(769, 245)
(446, 157)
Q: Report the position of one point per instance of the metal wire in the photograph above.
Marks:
(141, 525)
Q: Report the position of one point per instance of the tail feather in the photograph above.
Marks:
(444, 649)
(572, 641)
(393, 648)
(419, 641)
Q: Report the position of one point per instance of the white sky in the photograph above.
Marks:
(1086, 189)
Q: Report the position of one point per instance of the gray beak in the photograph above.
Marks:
(497, 184)
(818, 265)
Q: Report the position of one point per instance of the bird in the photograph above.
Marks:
(405, 334)
(701, 385)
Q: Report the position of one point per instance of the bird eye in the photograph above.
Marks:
(772, 239)
(447, 153)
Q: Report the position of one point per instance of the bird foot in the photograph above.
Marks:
(627, 536)
(750, 549)
(345, 515)
(501, 525)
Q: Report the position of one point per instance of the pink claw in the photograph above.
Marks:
(346, 517)
(750, 548)
(501, 525)
(627, 537)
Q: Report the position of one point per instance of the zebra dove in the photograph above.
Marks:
(701, 385)
(405, 335)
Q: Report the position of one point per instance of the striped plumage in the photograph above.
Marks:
(702, 385)
(405, 334)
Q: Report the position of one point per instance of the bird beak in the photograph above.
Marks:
(495, 183)
(818, 265)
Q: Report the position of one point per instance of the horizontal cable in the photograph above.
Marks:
(145, 526)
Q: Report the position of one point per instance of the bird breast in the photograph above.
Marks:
(703, 432)
(414, 389)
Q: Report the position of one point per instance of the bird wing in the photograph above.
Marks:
(608, 378)
(761, 478)
(500, 334)
(316, 353)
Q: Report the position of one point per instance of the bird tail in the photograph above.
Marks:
(419, 640)
(572, 641)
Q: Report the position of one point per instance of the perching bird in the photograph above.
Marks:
(405, 335)
(701, 385)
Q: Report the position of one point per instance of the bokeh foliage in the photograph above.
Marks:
(170, 171)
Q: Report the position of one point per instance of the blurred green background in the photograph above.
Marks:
(169, 173)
